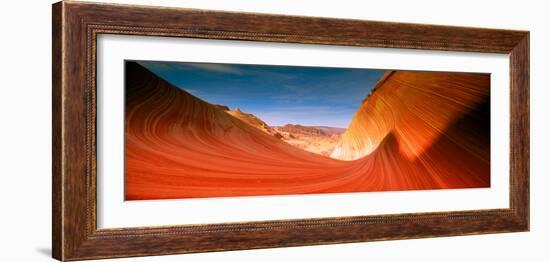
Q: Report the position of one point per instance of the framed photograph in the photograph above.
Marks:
(183, 130)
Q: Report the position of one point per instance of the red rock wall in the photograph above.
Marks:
(178, 146)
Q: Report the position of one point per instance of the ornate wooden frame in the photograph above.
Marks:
(76, 26)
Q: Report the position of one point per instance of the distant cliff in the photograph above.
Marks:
(253, 121)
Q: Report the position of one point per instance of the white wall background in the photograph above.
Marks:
(25, 130)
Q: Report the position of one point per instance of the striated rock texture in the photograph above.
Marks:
(417, 107)
(178, 146)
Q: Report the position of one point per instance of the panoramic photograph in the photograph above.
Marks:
(199, 130)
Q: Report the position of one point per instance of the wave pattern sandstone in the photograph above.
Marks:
(178, 146)
(417, 107)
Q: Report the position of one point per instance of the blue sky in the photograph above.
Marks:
(279, 95)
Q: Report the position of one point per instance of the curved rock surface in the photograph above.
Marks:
(416, 106)
(178, 146)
